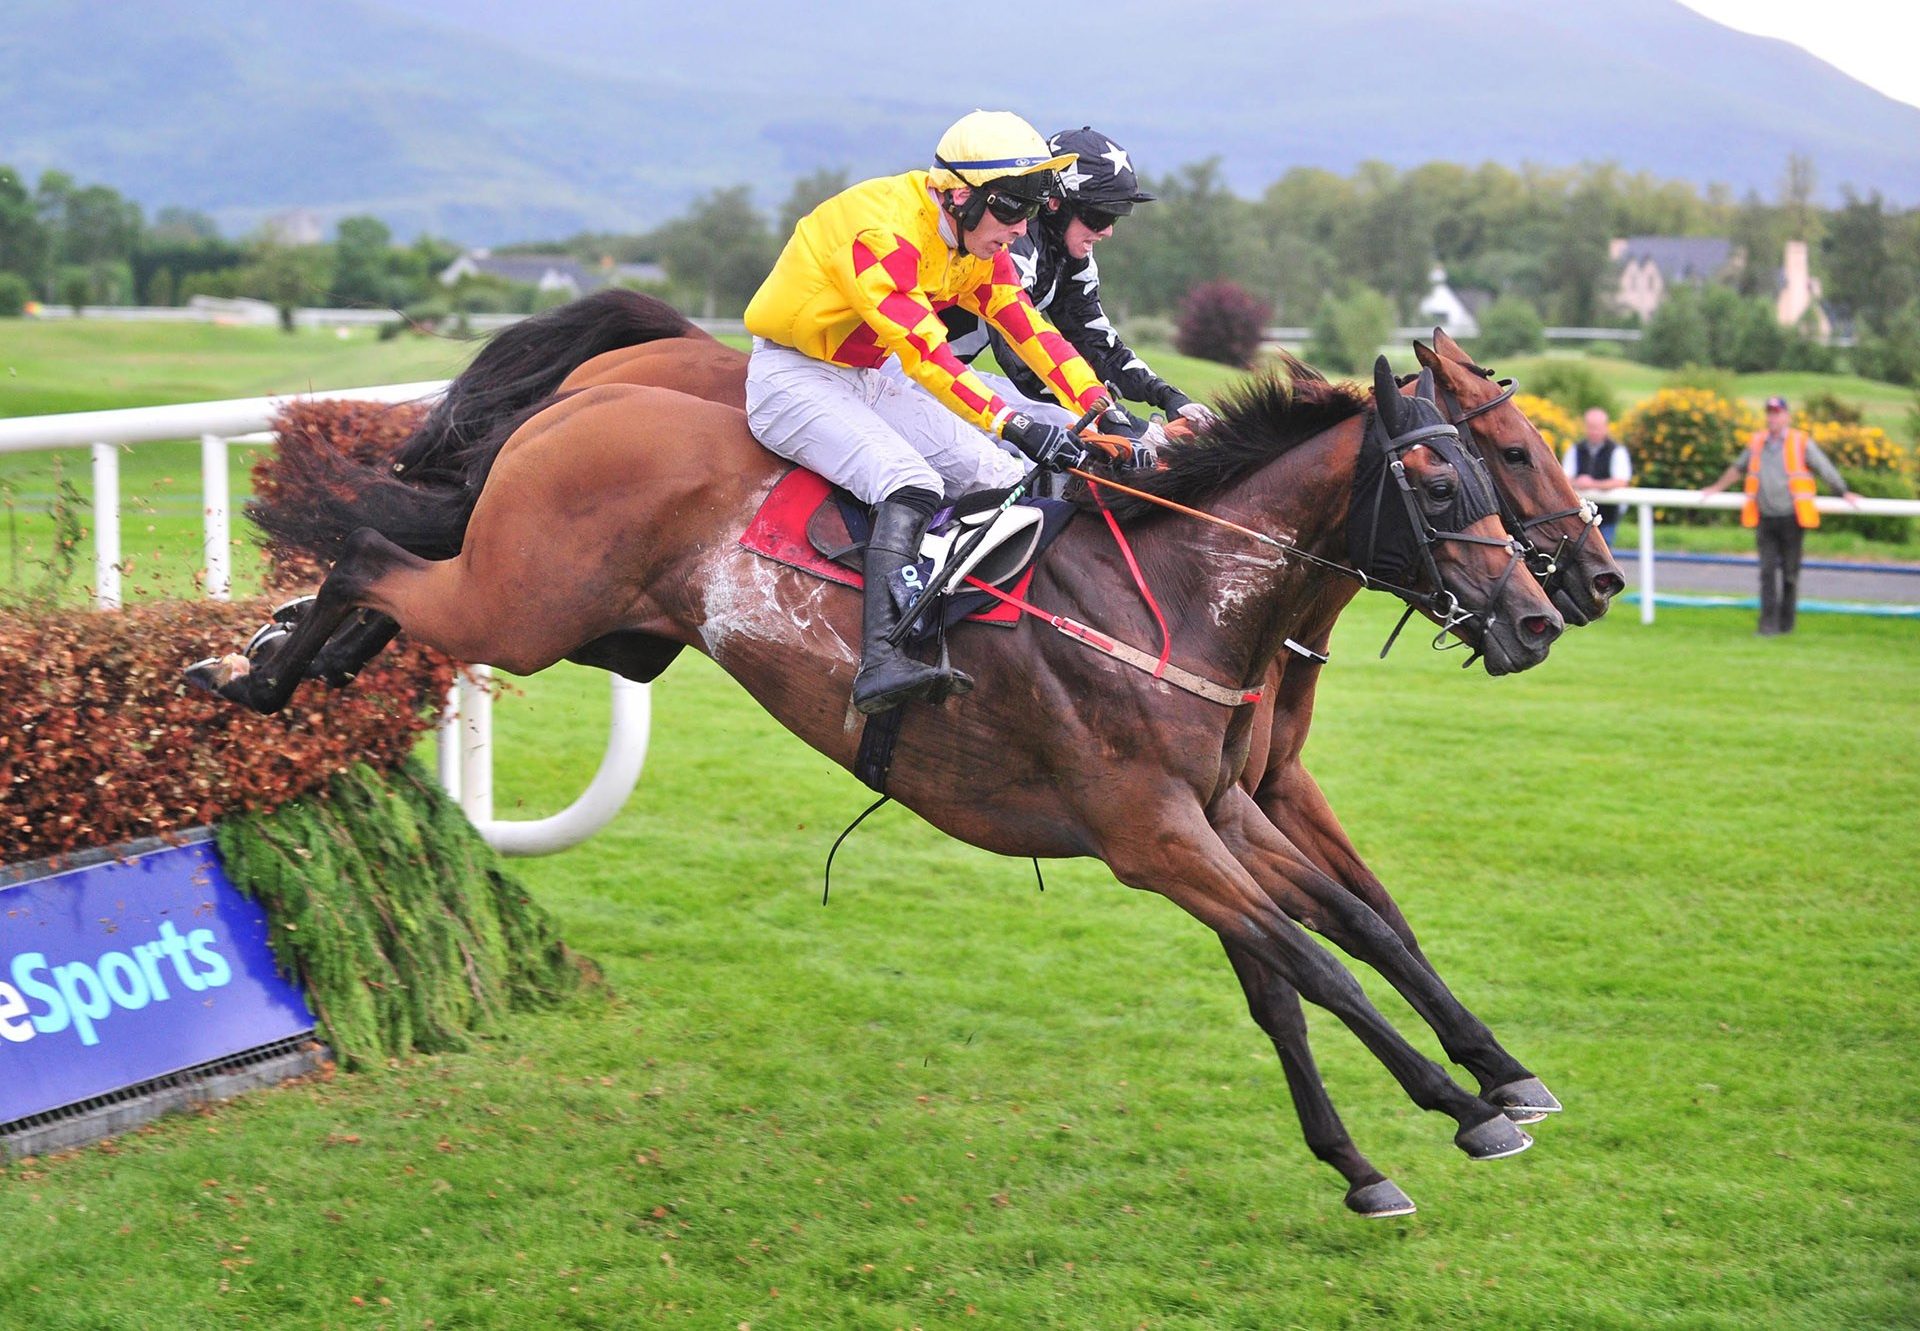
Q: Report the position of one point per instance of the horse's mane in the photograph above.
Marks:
(1259, 421)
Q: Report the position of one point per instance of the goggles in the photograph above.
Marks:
(1008, 209)
(1098, 219)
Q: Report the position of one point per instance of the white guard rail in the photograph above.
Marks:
(1645, 500)
(466, 732)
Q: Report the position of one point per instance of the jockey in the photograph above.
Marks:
(1055, 263)
(858, 283)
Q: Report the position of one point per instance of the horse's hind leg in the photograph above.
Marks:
(1275, 1006)
(267, 681)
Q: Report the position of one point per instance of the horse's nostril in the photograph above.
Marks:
(1609, 584)
(1535, 625)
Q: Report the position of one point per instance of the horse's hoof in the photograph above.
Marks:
(1377, 1201)
(1494, 1139)
(1524, 1101)
(266, 636)
(292, 612)
(223, 676)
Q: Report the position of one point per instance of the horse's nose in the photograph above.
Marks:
(1539, 630)
(1609, 585)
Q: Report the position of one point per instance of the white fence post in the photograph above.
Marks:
(106, 526)
(214, 496)
(476, 742)
(1646, 563)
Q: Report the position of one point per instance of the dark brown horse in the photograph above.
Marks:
(1346, 901)
(610, 517)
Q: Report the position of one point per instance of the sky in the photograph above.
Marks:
(1876, 41)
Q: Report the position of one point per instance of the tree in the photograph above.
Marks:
(183, 225)
(361, 252)
(1866, 274)
(1196, 232)
(1676, 335)
(1349, 331)
(25, 244)
(1509, 327)
(808, 193)
(288, 276)
(722, 250)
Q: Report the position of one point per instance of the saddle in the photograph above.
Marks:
(812, 525)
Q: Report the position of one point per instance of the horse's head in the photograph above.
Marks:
(1424, 515)
(1541, 508)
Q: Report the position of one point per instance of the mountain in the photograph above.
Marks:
(494, 120)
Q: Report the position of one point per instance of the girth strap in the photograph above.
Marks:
(1131, 655)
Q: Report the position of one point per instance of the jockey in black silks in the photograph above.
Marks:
(1056, 265)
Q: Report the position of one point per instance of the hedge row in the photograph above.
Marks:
(101, 740)
(397, 919)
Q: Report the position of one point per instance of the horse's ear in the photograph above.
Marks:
(1448, 348)
(1425, 387)
(1425, 355)
(1386, 395)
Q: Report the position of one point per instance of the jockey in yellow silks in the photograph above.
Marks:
(861, 281)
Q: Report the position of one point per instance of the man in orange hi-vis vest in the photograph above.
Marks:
(1780, 507)
(861, 281)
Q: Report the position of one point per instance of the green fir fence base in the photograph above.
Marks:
(397, 917)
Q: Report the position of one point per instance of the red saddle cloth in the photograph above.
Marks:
(779, 532)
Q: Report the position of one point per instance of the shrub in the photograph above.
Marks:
(102, 741)
(15, 292)
(1880, 485)
(1573, 385)
(1824, 406)
(1556, 426)
(1222, 322)
(1683, 438)
(1855, 447)
(1348, 331)
(1721, 383)
(1509, 327)
(1607, 350)
(1892, 354)
(1677, 333)
(1152, 329)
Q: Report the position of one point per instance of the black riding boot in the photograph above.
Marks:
(888, 676)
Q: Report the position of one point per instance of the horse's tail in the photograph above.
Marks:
(321, 494)
(522, 365)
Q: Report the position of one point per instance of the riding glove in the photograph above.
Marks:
(1052, 446)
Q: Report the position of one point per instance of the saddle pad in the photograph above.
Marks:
(780, 531)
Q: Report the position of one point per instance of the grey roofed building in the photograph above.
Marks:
(550, 272)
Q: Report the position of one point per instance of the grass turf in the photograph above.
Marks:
(1671, 868)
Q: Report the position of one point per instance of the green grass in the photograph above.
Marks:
(1685, 903)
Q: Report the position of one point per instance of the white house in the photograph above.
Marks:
(1443, 307)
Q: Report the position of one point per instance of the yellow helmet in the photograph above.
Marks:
(983, 147)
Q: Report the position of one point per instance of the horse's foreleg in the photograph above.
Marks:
(1186, 861)
(1275, 1006)
(1293, 802)
(1329, 908)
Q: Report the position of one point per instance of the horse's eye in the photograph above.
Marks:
(1441, 490)
(1515, 455)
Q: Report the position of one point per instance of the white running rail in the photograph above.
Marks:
(466, 732)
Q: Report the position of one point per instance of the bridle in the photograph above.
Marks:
(1476, 498)
(1551, 567)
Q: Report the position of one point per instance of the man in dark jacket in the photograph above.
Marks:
(1055, 263)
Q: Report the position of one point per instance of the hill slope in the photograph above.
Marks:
(490, 120)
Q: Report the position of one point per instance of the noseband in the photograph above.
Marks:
(1476, 498)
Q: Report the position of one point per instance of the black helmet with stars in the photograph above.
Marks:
(1102, 178)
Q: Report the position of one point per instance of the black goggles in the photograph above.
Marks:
(1009, 209)
(1099, 219)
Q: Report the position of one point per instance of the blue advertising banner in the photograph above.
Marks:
(119, 972)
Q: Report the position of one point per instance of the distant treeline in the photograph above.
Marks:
(1314, 239)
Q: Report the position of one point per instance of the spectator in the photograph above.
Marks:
(1780, 507)
(1600, 462)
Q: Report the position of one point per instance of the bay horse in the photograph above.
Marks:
(609, 516)
(618, 338)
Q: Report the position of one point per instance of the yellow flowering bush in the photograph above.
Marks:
(1555, 424)
(1856, 447)
(1683, 438)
